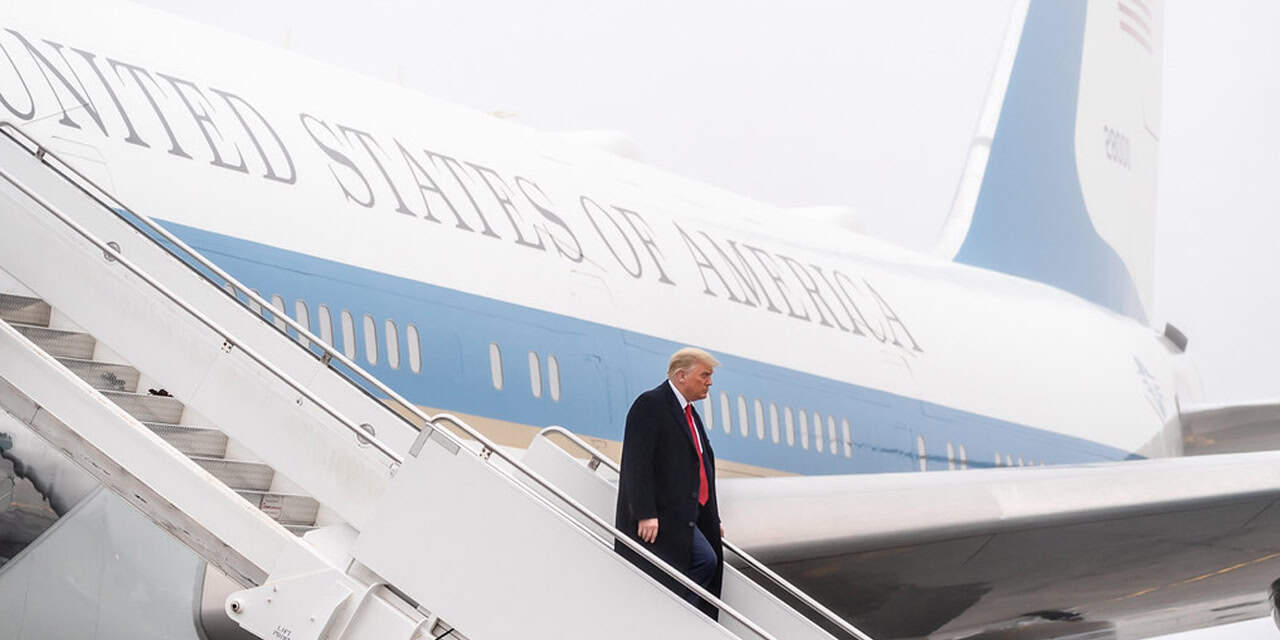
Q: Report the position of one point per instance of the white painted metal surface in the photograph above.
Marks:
(120, 452)
(960, 315)
(499, 564)
(594, 483)
(811, 514)
(207, 370)
(215, 371)
(1050, 360)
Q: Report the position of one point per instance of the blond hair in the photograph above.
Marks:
(686, 357)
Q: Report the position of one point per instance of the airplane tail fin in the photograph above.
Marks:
(1060, 185)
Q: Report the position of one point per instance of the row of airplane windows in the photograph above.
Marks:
(391, 338)
(961, 461)
(826, 440)
(347, 326)
(957, 457)
(498, 378)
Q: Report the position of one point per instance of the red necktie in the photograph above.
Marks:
(703, 492)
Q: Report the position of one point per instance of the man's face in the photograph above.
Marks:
(694, 381)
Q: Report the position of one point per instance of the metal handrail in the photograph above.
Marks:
(329, 353)
(116, 257)
(598, 457)
(489, 447)
(681, 578)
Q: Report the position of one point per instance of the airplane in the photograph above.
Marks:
(523, 279)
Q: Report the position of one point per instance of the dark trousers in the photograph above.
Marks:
(703, 566)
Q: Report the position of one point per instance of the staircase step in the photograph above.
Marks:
(285, 508)
(23, 309)
(103, 376)
(192, 441)
(238, 474)
(146, 407)
(59, 343)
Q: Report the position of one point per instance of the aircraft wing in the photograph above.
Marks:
(1116, 550)
(1231, 428)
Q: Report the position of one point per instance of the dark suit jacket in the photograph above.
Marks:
(660, 480)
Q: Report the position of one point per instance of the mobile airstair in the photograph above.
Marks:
(338, 509)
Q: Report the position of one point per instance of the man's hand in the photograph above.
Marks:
(648, 530)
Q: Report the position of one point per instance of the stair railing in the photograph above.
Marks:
(328, 355)
(598, 458)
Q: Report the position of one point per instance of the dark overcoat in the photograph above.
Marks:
(660, 480)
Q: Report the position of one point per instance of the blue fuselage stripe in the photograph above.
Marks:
(602, 368)
(1030, 219)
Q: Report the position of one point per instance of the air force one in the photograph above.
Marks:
(521, 279)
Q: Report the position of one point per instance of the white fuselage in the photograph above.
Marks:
(332, 189)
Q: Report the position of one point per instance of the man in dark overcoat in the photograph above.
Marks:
(667, 489)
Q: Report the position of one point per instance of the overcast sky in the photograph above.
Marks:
(868, 104)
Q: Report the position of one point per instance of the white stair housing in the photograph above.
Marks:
(264, 451)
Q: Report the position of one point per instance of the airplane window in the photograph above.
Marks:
(759, 419)
(415, 347)
(392, 336)
(831, 433)
(922, 453)
(495, 365)
(848, 438)
(708, 423)
(790, 425)
(964, 458)
(951, 457)
(724, 413)
(326, 324)
(773, 422)
(817, 432)
(370, 340)
(304, 319)
(278, 303)
(553, 377)
(804, 428)
(348, 335)
(535, 375)
(744, 425)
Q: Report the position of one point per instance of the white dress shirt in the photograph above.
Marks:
(684, 403)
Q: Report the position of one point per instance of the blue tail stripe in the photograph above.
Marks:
(1030, 219)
